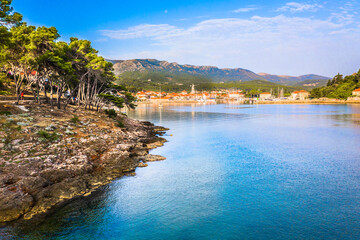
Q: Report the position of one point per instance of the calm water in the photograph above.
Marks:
(232, 172)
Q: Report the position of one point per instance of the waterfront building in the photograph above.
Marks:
(299, 95)
(356, 92)
(141, 96)
(265, 96)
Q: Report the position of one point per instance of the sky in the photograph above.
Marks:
(272, 36)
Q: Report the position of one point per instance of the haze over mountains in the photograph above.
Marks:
(215, 73)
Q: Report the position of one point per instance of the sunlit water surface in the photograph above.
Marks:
(232, 172)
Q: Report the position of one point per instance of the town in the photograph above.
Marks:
(221, 96)
(224, 95)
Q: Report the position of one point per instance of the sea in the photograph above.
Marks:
(232, 172)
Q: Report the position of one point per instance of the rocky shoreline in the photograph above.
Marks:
(50, 156)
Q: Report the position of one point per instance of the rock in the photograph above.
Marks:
(13, 204)
(69, 132)
(22, 124)
(141, 164)
(158, 142)
(51, 127)
(154, 158)
(32, 185)
(16, 142)
(160, 129)
(43, 174)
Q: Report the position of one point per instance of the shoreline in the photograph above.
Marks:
(71, 159)
(289, 102)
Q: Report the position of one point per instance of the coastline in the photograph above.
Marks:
(69, 159)
(308, 101)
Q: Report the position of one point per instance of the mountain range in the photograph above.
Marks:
(214, 73)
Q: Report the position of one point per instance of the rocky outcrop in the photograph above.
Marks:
(42, 165)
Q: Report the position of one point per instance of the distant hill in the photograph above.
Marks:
(311, 83)
(290, 80)
(152, 80)
(215, 74)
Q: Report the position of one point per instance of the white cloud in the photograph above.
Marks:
(141, 31)
(242, 10)
(279, 44)
(299, 7)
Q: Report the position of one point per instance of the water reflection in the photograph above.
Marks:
(232, 172)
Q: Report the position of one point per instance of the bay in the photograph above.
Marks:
(232, 172)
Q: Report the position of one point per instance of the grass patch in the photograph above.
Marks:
(7, 113)
(111, 113)
(75, 119)
(120, 124)
(45, 136)
(31, 151)
(7, 139)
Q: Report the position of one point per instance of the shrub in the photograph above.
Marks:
(111, 113)
(7, 139)
(120, 124)
(5, 92)
(7, 113)
(75, 119)
(45, 136)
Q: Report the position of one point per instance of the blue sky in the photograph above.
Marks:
(278, 37)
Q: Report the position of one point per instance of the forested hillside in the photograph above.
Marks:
(169, 82)
(339, 87)
(214, 73)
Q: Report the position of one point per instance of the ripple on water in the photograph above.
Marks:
(232, 172)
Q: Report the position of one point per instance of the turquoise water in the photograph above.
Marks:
(232, 172)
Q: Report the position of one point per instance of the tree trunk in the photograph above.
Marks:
(51, 95)
(16, 85)
(45, 94)
(38, 91)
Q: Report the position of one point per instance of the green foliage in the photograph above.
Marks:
(176, 82)
(7, 15)
(117, 87)
(11, 129)
(5, 93)
(4, 80)
(7, 140)
(111, 113)
(7, 113)
(45, 136)
(120, 124)
(117, 101)
(338, 88)
(256, 87)
(170, 82)
(35, 58)
(75, 119)
(4, 84)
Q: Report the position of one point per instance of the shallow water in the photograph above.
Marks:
(232, 172)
